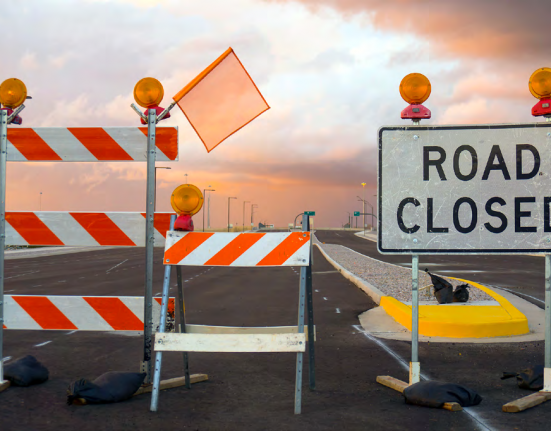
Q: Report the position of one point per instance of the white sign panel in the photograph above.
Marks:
(465, 189)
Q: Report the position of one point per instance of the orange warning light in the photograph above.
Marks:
(540, 83)
(148, 92)
(540, 87)
(186, 199)
(13, 93)
(415, 88)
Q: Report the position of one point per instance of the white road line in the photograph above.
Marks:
(6, 359)
(38, 285)
(316, 290)
(324, 298)
(42, 344)
(338, 311)
(72, 332)
(118, 264)
(474, 416)
(7, 291)
(21, 275)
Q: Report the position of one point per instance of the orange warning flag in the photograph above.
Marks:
(221, 100)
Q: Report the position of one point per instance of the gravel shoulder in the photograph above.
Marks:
(390, 279)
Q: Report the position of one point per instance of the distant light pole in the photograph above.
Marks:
(244, 202)
(365, 227)
(252, 212)
(206, 190)
(40, 202)
(349, 219)
(208, 211)
(229, 212)
(155, 203)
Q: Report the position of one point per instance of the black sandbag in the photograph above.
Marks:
(26, 371)
(461, 294)
(435, 394)
(443, 289)
(530, 378)
(110, 387)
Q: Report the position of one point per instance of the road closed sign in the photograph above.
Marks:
(465, 189)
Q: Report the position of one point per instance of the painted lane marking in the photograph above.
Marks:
(6, 359)
(324, 298)
(316, 290)
(38, 285)
(474, 416)
(118, 264)
(338, 311)
(42, 344)
(21, 275)
(325, 272)
(7, 291)
(72, 332)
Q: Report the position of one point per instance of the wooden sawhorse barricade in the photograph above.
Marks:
(239, 250)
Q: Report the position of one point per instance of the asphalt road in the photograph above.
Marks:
(248, 391)
(522, 274)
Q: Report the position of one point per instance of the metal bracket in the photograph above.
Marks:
(15, 112)
(140, 113)
(166, 111)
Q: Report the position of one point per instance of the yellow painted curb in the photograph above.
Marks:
(462, 321)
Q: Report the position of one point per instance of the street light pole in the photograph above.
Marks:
(206, 190)
(244, 202)
(252, 212)
(363, 186)
(157, 167)
(229, 212)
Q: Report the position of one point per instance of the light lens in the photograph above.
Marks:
(415, 88)
(540, 83)
(148, 92)
(12, 93)
(186, 199)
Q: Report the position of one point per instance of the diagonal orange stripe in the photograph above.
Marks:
(44, 312)
(184, 247)
(166, 140)
(234, 249)
(161, 222)
(285, 250)
(32, 229)
(115, 313)
(102, 229)
(99, 143)
(32, 146)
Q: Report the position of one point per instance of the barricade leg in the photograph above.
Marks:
(162, 326)
(300, 329)
(159, 355)
(311, 341)
(182, 324)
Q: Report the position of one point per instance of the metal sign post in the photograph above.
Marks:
(3, 162)
(547, 365)
(149, 244)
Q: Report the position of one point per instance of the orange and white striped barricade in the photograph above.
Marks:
(87, 144)
(77, 228)
(80, 313)
(238, 250)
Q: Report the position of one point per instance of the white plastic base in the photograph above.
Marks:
(414, 372)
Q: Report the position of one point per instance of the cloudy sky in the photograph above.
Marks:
(329, 69)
